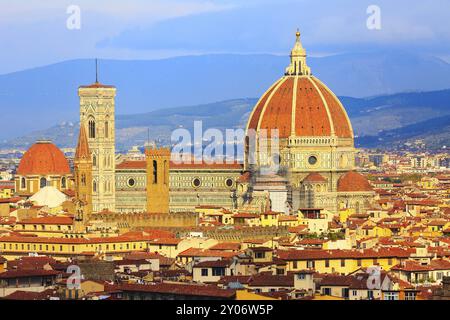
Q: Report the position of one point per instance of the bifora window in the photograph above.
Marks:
(91, 126)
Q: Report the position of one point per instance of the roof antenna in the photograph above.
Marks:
(96, 71)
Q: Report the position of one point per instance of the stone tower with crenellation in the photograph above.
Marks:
(158, 160)
(97, 104)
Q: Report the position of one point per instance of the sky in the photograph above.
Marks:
(35, 32)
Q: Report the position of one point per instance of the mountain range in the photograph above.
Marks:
(35, 99)
(379, 122)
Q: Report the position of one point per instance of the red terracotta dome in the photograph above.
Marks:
(353, 181)
(43, 158)
(300, 104)
(314, 177)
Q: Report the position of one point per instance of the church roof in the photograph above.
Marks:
(314, 177)
(141, 164)
(96, 85)
(353, 181)
(43, 158)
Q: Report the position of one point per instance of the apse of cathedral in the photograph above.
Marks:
(298, 114)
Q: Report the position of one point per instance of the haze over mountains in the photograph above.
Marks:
(150, 91)
(383, 121)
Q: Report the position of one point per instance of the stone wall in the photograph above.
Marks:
(138, 220)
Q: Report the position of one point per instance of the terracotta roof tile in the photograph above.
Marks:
(353, 182)
(43, 158)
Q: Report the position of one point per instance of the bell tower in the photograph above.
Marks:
(97, 112)
(83, 172)
(158, 160)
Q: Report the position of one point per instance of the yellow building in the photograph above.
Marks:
(62, 248)
(289, 221)
(269, 219)
(6, 189)
(376, 231)
(343, 261)
(344, 213)
(57, 226)
(428, 183)
(86, 287)
(246, 295)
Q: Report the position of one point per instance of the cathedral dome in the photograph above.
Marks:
(353, 182)
(300, 105)
(43, 158)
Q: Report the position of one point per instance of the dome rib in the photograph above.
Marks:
(337, 110)
(256, 112)
(294, 108)
(325, 104)
(268, 101)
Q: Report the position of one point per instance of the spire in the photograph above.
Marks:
(82, 151)
(298, 64)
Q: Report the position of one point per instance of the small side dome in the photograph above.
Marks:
(43, 158)
(353, 182)
(314, 178)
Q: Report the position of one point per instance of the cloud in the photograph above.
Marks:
(37, 32)
(146, 29)
(325, 24)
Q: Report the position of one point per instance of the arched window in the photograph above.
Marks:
(94, 186)
(23, 183)
(92, 129)
(106, 129)
(63, 182)
(83, 180)
(43, 182)
(155, 172)
(94, 160)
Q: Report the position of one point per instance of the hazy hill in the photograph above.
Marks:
(434, 132)
(378, 121)
(38, 98)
